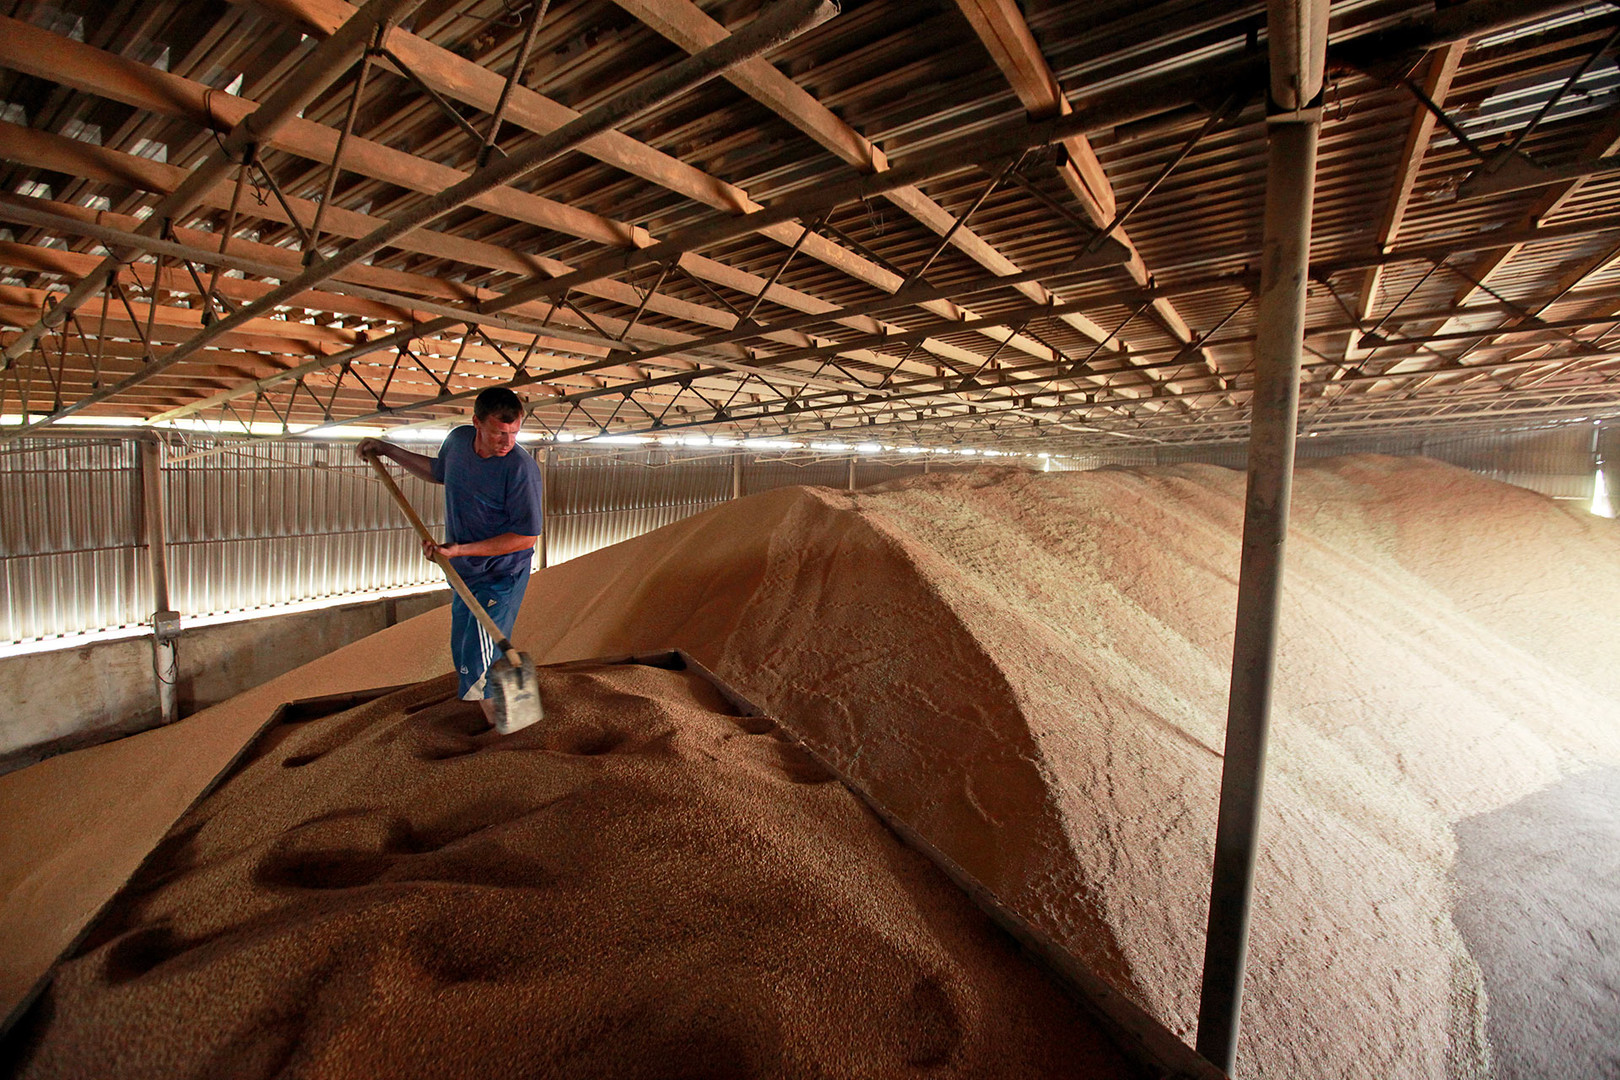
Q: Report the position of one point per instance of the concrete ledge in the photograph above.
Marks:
(71, 698)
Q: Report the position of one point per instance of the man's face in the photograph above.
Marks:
(495, 437)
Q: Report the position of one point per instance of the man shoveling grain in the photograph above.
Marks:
(492, 503)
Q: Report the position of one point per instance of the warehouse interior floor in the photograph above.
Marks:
(1538, 903)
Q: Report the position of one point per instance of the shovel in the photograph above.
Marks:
(513, 685)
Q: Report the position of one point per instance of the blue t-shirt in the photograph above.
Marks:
(485, 497)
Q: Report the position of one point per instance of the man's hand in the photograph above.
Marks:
(448, 551)
(415, 464)
(495, 545)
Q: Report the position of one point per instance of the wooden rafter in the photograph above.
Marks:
(1004, 33)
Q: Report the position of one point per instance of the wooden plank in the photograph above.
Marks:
(692, 29)
(263, 329)
(151, 89)
(688, 26)
(462, 80)
(49, 56)
(54, 152)
(144, 87)
(1007, 37)
(1442, 68)
(1002, 29)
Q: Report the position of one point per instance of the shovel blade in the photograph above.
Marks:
(515, 689)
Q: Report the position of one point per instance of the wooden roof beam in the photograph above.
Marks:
(1442, 68)
(111, 166)
(1605, 142)
(329, 60)
(692, 29)
(1006, 35)
(367, 304)
(148, 88)
(465, 81)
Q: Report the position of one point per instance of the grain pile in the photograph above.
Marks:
(650, 886)
(1032, 670)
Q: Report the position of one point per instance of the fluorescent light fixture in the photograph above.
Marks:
(616, 440)
(356, 431)
(234, 427)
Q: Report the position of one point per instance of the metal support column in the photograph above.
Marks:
(1606, 457)
(736, 475)
(1298, 32)
(165, 621)
(545, 496)
(851, 484)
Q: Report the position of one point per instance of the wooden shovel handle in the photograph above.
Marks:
(444, 564)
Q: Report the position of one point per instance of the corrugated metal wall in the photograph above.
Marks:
(770, 473)
(599, 497)
(275, 523)
(70, 528)
(283, 522)
(1560, 462)
(251, 528)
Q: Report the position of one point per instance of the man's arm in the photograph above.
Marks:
(503, 544)
(413, 463)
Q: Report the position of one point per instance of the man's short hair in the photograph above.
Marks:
(499, 402)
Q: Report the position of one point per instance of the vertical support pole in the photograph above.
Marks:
(165, 621)
(1296, 29)
(545, 497)
(1606, 468)
(737, 475)
(851, 484)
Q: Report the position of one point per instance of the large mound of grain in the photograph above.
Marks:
(1032, 670)
(648, 885)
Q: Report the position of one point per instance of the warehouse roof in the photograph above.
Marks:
(1030, 227)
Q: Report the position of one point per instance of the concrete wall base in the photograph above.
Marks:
(68, 699)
